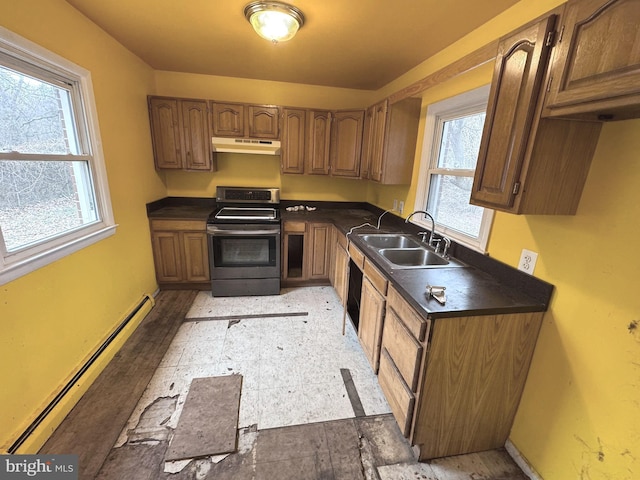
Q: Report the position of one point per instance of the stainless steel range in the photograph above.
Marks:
(244, 242)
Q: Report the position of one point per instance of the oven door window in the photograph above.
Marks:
(244, 251)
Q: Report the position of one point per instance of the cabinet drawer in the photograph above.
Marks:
(297, 227)
(396, 391)
(405, 350)
(357, 256)
(183, 225)
(377, 279)
(418, 326)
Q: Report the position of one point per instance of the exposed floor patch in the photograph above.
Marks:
(152, 426)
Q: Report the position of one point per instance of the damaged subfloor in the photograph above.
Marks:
(310, 406)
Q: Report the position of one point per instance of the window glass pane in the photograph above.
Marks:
(461, 142)
(449, 204)
(35, 116)
(39, 200)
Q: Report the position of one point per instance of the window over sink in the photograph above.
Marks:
(54, 196)
(453, 130)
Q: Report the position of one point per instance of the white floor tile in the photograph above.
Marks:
(327, 401)
(280, 407)
(249, 408)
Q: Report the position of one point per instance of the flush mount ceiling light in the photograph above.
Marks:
(274, 21)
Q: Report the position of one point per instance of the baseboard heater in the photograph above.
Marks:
(40, 418)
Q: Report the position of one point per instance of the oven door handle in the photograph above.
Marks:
(243, 233)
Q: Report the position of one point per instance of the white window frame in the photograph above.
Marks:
(473, 101)
(16, 264)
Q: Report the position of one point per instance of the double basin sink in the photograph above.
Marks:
(402, 251)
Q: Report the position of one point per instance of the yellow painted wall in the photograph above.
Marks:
(261, 170)
(55, 317)
(580, 413)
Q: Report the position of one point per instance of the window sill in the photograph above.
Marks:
(12, 271)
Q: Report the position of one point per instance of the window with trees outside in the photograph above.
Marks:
(453, 130)
(54, 197)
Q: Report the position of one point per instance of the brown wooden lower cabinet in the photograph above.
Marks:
(372, 312)
(454, 384)
(372, 308)
(180, 253)
(306, 253)
(339, 264)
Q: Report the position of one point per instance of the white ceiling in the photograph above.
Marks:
(360, 44)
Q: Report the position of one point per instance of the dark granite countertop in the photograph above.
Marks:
(469, 291)
(181, 208)
(484, 286)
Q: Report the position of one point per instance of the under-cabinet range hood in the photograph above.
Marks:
(246, 145)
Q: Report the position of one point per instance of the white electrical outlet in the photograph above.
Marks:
(528, 261)
(401, 207)
(395, 205)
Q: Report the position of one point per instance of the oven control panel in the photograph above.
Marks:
(247, 194)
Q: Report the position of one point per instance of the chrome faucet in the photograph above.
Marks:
(433, 223)
(447, 245)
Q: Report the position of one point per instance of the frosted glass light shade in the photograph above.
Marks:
(274, 21)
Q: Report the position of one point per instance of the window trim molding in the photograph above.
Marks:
(25, 261)
(466, 102)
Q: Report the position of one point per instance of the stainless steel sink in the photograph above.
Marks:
(401, 251)
(390, 240)
(412, 257)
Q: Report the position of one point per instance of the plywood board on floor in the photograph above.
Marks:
(208, 424)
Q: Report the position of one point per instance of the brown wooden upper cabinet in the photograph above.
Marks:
(245, 121)
(528, 164)
(390, 136)
(293, 140)
(596, 66)
(318, 142)
(180, 133)
(321, 142)
(346, 143)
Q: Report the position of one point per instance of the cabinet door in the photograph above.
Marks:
(377, 140)
(228, 119)
(372, 310)
(346, 143)
(263, 122)
(165, 132)
(341, 261)
(520, 67)
(598, 57)
(399, 137)
(318, 142)
(367, 143)
(318, 253)
(197, 137)
(293, 141)
(196, 256)
(167, 256)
